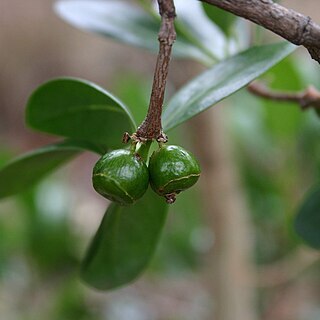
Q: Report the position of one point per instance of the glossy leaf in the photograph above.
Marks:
(135, 93)
(81, 110)
(237, 30)
(307, 222)
(124, 243)
(123, 22)
(222, 80)
(194, 25)
(222, 18)
(23, 172)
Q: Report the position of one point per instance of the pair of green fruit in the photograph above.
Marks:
(122, 176)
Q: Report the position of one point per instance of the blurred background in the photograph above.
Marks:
(228, 250)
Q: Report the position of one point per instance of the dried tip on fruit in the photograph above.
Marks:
(172, 169)
(170, 198)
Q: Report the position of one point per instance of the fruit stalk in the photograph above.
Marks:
(151, 127)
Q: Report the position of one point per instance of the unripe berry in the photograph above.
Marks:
(121, 176)
(172, 169)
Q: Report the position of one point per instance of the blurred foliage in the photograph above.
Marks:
(278, 152)
(134, 93)
(78, 109)
(278, 164)
(49, 239)
(221, 18)
(35, 229)
(38, 252)
(307, 223)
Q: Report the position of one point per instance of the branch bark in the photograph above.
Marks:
(287, 23)
(151, 127)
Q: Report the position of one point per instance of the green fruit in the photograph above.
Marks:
(172, 169)
(121, 176)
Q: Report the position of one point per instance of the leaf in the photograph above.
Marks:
(123, 22)
(284, 76)
(124, 243)
(307, 221)
(193, 23)
(81, 110)
(23, 172)
(220, 17)
(135, 92)
(236, 30)
(222, 80)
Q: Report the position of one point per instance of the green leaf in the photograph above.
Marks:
(307, 221)
(284, 77)
(222, 80)
(193, 23)
(222, 18)
(81, 110)
(23, 172)
(236, 30)
(124, 243)
(135, 92)
(126, 23)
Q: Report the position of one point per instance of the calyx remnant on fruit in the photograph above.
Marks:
(121, 176)
(172, 169)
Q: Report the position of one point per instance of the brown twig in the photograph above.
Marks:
(287, 23)
(306, 99)
(151, 127)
